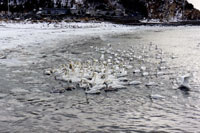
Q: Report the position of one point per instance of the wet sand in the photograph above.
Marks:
(28, 104)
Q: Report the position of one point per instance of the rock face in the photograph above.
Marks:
(163, 10)
(171, 10)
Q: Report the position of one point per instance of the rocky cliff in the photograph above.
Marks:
(163, 10)
(171, 10)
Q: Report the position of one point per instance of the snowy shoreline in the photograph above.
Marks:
(25, 34)
(28, 34)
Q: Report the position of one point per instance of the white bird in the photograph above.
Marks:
(156, 96)
(184, 85)
(123, 79)
(151, 84)
(128, 66)
(109, 45)
(134, 83)
(102, 57)
(137, 71)
(116, 86)
(93, 91)
(162, 67)
(145, 74)
(122, 73)
(143, 68)
(160, 73)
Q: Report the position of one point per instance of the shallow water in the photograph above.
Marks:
(27, 104)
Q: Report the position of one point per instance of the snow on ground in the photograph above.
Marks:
(29, 34)
(25, 34)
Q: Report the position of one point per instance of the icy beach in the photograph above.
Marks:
(29, 34)
(98, 77)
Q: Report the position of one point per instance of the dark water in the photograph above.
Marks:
(28, 104)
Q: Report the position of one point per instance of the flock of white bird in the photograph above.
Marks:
(110, 70)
